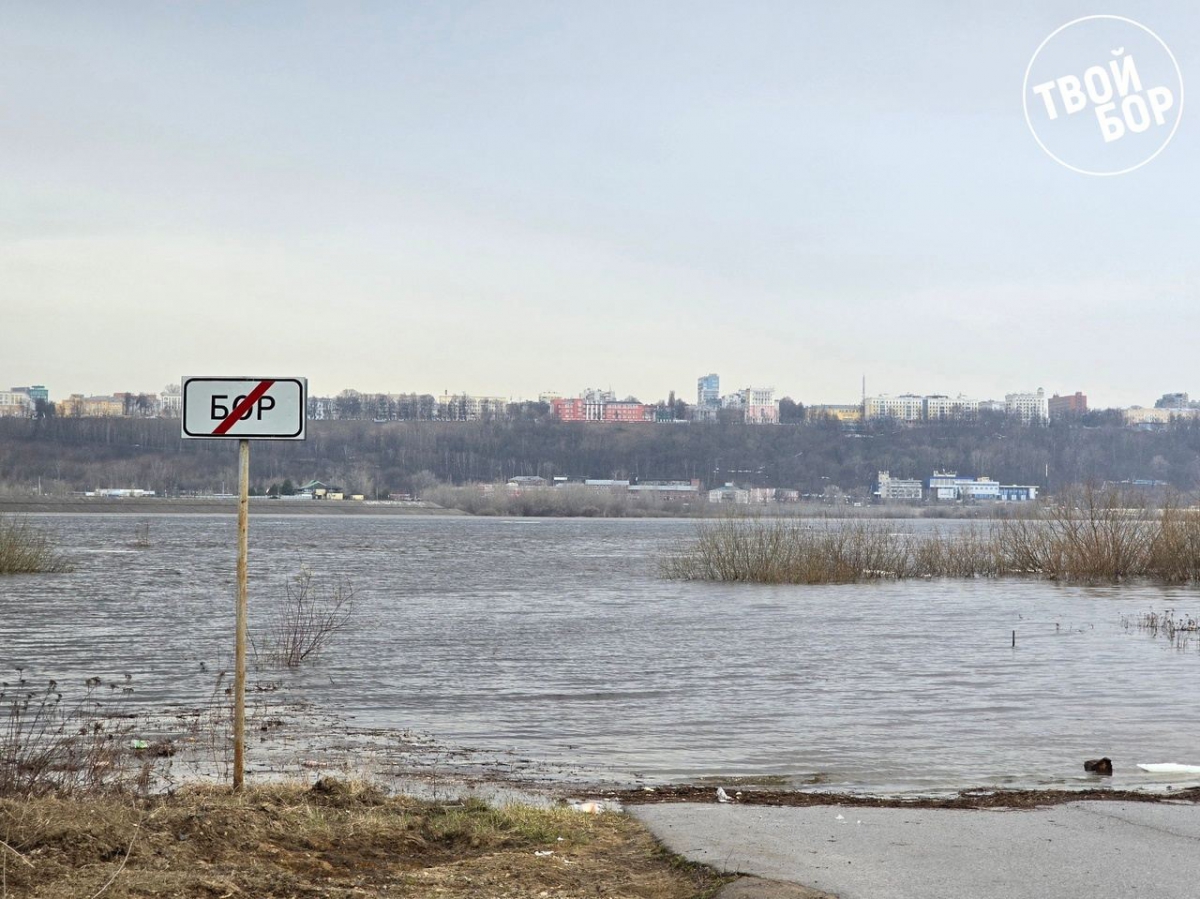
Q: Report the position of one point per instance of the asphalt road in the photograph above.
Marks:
(1082, 850)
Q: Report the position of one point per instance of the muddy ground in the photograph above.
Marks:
(968, 799)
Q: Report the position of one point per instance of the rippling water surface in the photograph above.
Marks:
(557, 639)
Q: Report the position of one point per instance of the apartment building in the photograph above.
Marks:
(898, 489)
(15, 403)
(759, 406)
(1060, 407)
(462, 407)
(906, 407)
(939, 407)
(583, 408)
(1029, 407)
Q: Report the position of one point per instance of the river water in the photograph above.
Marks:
(556, 639)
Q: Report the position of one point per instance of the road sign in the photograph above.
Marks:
(245, 408)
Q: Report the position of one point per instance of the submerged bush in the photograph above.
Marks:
(26, 550)
(1089, 536)
(305, 619)
(793, 552)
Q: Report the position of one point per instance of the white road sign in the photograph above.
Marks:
(245, 408)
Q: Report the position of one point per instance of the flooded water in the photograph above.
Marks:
(556, 640)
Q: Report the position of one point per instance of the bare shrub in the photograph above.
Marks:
(305, 619)
(26, 550)
(1096, 536)
(49, 746)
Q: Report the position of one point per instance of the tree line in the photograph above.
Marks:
(68, 454)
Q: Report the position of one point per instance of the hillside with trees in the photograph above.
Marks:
(69, 454)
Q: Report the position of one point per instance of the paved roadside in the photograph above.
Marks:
(1081, 850)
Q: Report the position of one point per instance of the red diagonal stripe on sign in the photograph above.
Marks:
(243, 407)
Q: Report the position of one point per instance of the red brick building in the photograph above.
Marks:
(581, 409)
(1067, 406)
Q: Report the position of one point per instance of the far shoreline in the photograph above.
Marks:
(73, 505)
(76, 505)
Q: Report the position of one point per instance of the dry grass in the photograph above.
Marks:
(66, 747)
(332, 840)
(26, 550)
(1089, 536)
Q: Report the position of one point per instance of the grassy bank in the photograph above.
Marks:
(1090, 537)
(331, 840)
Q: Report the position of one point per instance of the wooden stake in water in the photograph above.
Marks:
(1014, 639)
(239, 665)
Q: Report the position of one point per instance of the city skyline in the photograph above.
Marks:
(726, 386)
(428, 195)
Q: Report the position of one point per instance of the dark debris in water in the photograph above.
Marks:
(969, 799)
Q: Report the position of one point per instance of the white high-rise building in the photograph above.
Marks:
(908, 407)
(958, 408)
(759, 406)
(1029, 407)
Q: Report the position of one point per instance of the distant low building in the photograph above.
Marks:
(616, 484)
(525, 481)
(667, 490)
(890, 489)
(948, 486)
(729, 494)
(318, 490)
(1017, 493)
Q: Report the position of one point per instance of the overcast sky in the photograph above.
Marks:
(511, 197)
